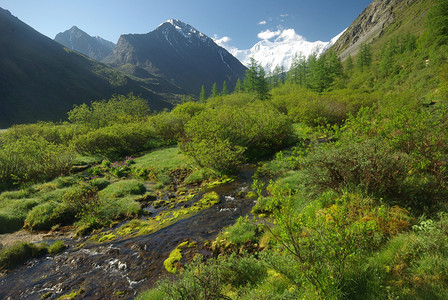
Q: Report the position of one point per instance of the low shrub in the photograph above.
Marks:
(117, 140)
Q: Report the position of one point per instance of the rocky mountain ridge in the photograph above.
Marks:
(94, 47)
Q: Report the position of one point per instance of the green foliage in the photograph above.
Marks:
(242, 232)
(238, 86)
(123, 188)
(369, 164)
(209, 280)
(119, 109)
(33, 159)
(14, 212)
(255, 81)
(19, 253)
(81, 198)
(202, 95)
(437, 21)
(225, 89)
(215, 91)
(412, 265)
(235, 133)
(325, 242)
(117, 140)
(364, 57)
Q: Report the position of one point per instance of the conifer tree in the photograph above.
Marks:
(255, 80)
(225, 89)
(349, 64)
(364, 57)
(202, 95)
(238, 86)
(215, 91)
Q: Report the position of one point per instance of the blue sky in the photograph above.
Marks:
(239, 22)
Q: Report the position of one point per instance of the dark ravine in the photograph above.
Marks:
(122, 267)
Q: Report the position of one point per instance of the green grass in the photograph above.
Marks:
(123, 188)
(19, 253)
(164, 159)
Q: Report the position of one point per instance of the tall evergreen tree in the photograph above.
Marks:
(364, 57)
(349, 64)
(255, 80)
(238, 86)
(203, 95)
(225, 89)
(215, 91)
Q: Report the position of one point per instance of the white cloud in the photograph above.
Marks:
(262, 22)
(224, 42)
(284, 15)
(268, 34)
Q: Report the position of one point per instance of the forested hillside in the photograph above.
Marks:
(351, 175)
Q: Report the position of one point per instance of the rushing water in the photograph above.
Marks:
(123, 267)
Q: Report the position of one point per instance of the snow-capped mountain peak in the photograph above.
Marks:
(185, 30)
(278, 48)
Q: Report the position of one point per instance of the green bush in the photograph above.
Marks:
(29, 159)
(235, 134)
(117, 140)
(369, 164)
(119, 109)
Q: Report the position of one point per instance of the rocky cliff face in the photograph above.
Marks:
(370, 25)
(179, 53)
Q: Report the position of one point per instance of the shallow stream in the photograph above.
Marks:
(121, 268)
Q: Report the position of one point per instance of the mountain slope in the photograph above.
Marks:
(381, 17)
(280, 50)
(179, 53)
(76, 39)
(41, 80)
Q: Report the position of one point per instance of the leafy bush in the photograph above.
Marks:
(369, 164)
(235, 134)
(117, 140)
(119, 109)
(33, 159)
(325, 242)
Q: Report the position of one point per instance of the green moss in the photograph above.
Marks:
(73, 294)
(57, 247)
(251, 195)
(176, 256)
(169, 263)
(218, 182)
(107, 237)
